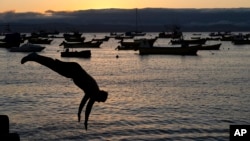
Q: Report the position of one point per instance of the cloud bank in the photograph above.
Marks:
(149, 19)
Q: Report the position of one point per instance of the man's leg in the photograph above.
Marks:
(63, 68)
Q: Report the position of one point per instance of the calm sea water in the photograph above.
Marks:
(153, 97)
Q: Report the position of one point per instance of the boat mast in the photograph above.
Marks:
(136, 20)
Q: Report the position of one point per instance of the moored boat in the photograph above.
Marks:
(79, 54)
(185, 41)
(8, 44)
(135, 44)
(89, 44)
(241, 42)
(144, 49)
(106, 38)
(75, 34)
(40, 40)
(27, 47)
(74, 39)
(11, 40)
(210, 47)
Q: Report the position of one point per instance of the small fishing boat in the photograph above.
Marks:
(27, 47)
(40, 40)
(79, 54)
(145, 49)
(241, 42)
(186, 41)
(134, 45)
(88, 44)
(210, 47)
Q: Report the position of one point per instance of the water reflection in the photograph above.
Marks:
(150, 97)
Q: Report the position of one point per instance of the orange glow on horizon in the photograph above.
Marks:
(73, 5)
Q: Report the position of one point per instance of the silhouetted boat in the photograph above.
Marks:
(89, 44)
(115, 34)
(106, 38)
(210, 47)
(185, 41)
(136, 32)
(128, 45)
(134, 45)
(213, 38)
(39, 40)
(174, 34)
(72, 35)
(8, 44)
(11, 40)
(27, 48)
(79, 54)
(220, 34)
(123, 37)
(169, 35)
(241, 42)
(150, 41)
(44, 34)
(227, 38)
(75, 39)
(145, 49)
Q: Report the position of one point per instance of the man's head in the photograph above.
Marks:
(102, 96)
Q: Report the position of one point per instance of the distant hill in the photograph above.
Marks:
(120, 20)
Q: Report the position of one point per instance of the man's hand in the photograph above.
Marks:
(86, 125)
(79, 117)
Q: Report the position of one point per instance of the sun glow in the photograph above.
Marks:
(107, 4)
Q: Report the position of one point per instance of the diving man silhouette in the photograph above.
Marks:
(79, 76)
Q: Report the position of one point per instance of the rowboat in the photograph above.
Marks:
(210, 47)
(190, 50)
(79, 54)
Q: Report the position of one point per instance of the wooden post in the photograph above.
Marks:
(5, 134)
(4, 124)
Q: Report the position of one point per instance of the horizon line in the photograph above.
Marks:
(50, 10)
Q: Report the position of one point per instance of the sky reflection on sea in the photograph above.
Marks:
(158, 97)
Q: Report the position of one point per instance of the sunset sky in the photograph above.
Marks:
(72, 5)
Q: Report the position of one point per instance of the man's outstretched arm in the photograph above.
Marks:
(84, 100)
(87, 112)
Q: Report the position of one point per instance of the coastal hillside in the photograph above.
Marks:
(119, 20)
